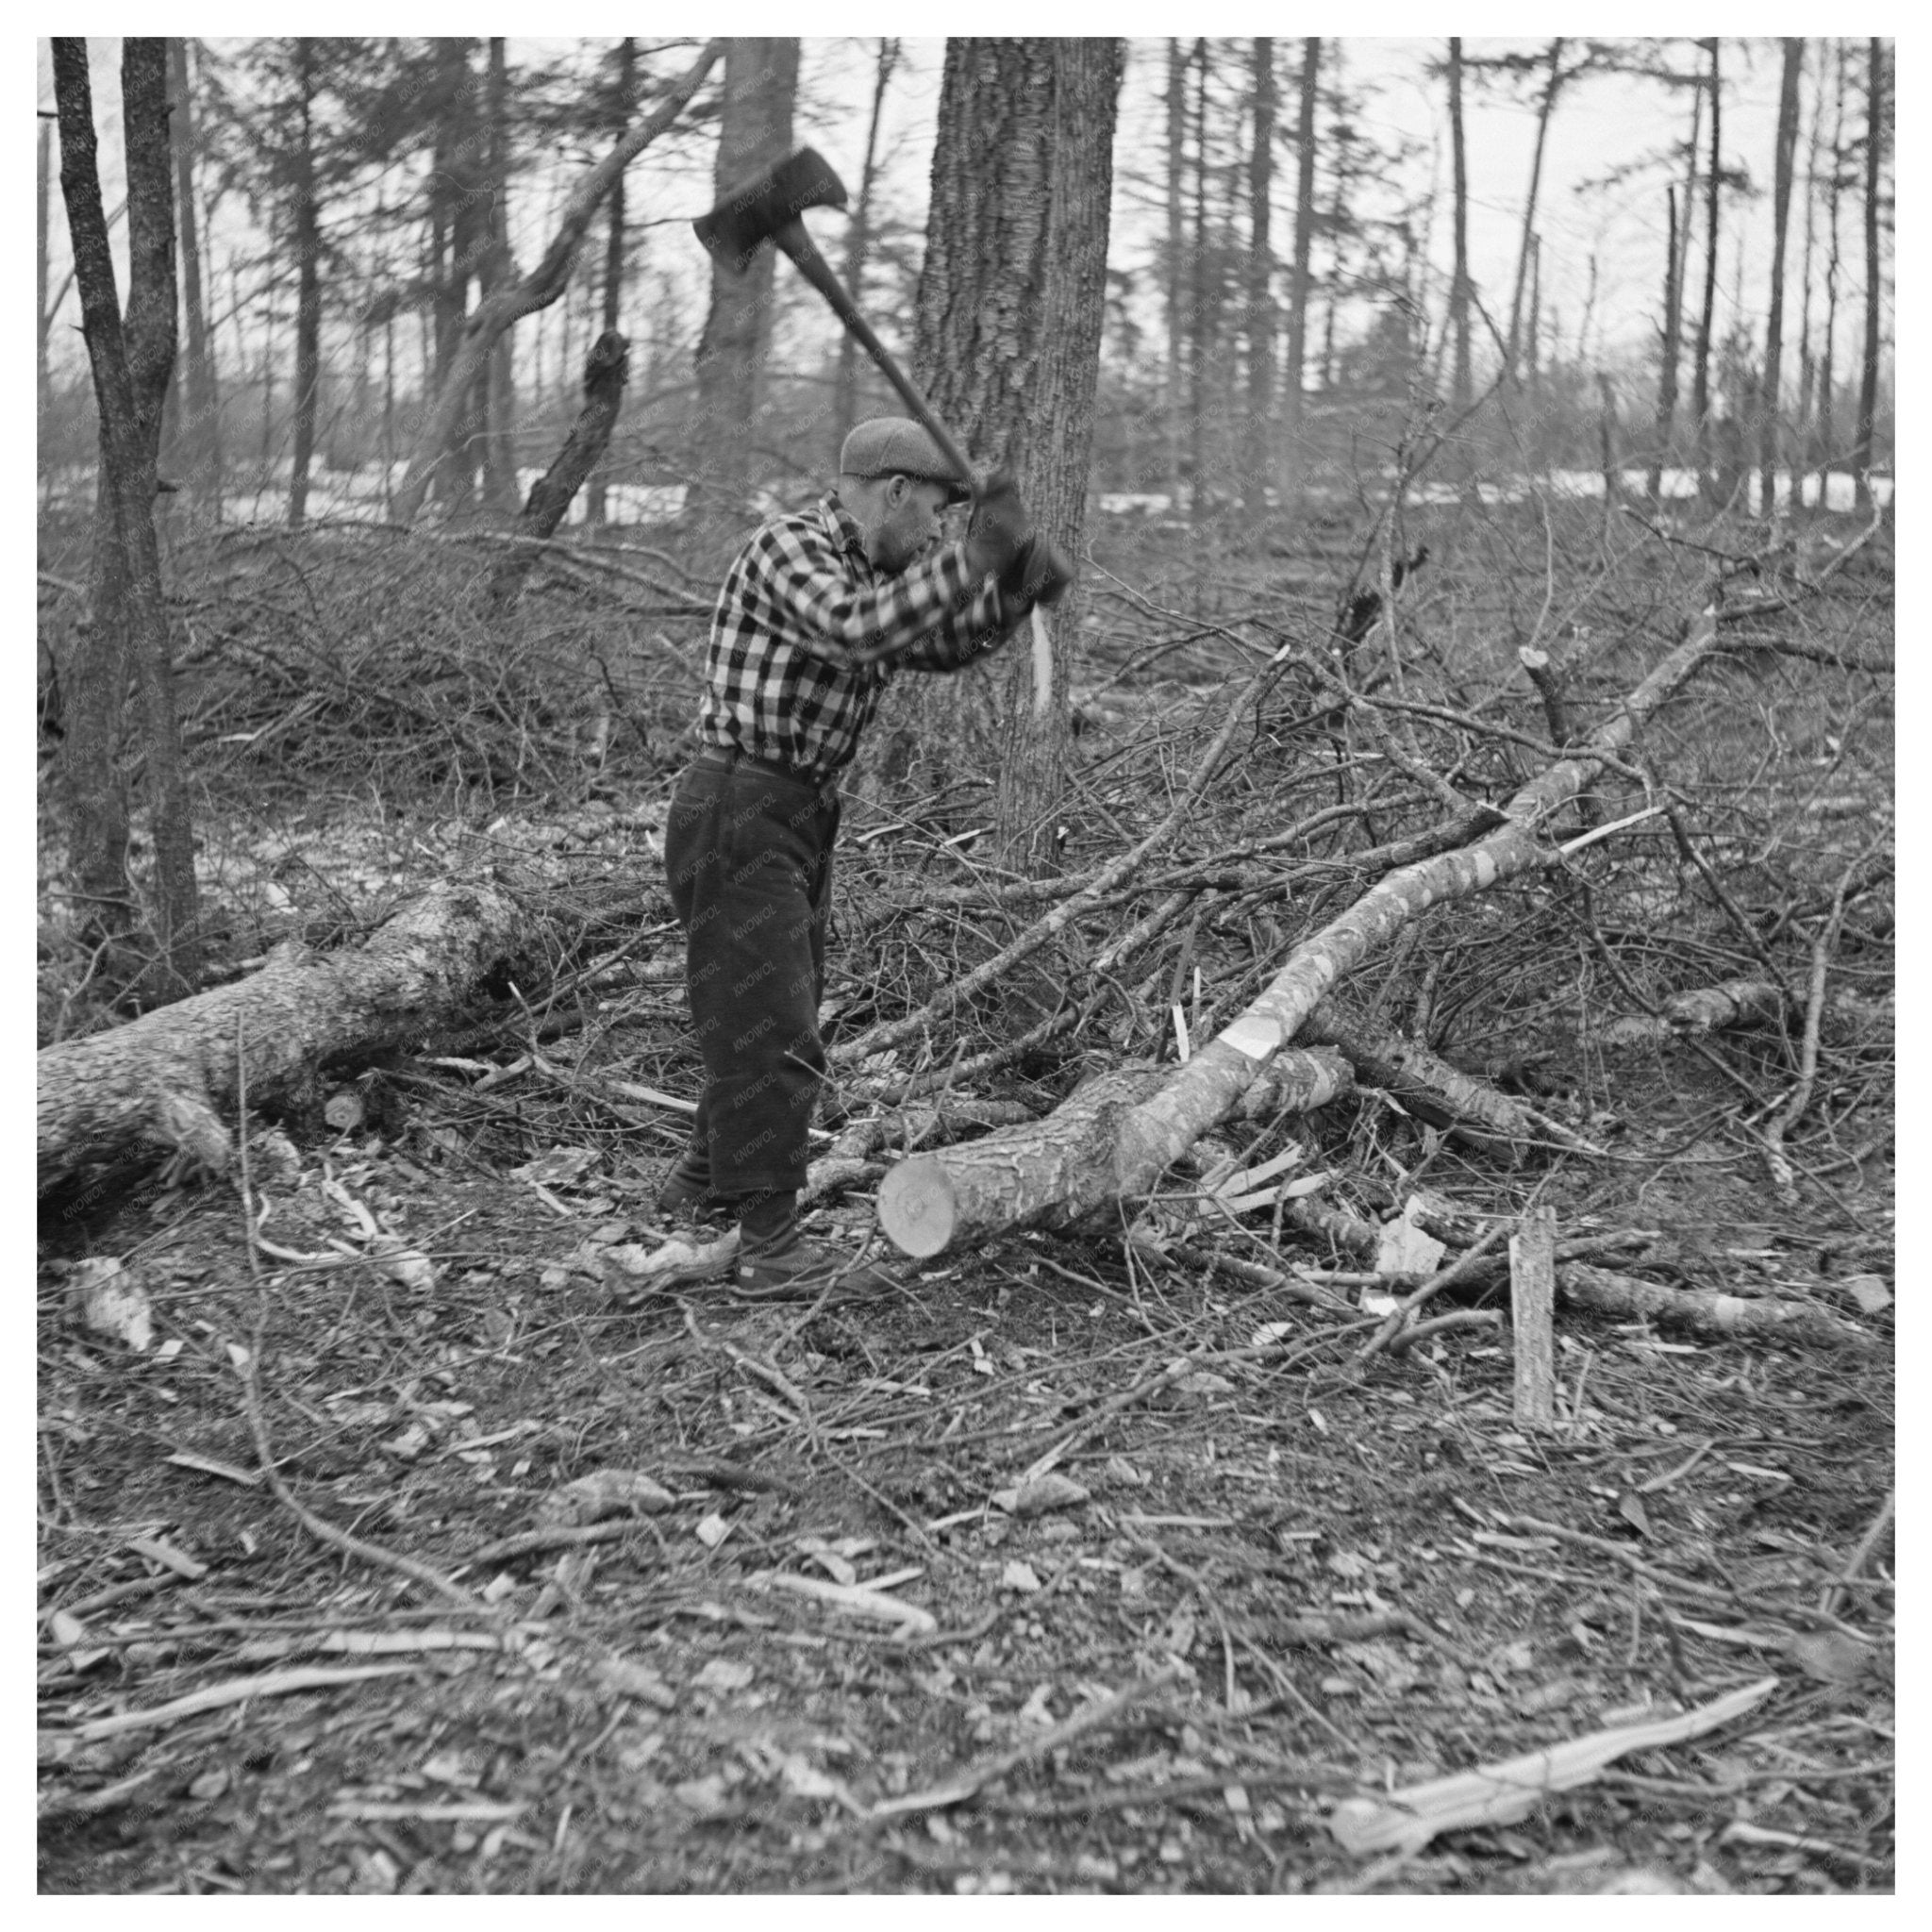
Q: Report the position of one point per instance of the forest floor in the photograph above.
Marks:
(837, 1643)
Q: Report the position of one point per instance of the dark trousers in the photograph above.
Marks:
(749, 853)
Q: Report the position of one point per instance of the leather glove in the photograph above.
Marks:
(1000, 525)
(1039, 573)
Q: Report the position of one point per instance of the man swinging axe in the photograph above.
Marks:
(819, 610)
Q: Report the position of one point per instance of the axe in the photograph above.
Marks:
(771, 207)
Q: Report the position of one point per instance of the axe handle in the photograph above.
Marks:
(795, 240)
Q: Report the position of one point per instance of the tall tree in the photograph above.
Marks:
(1700, 368)
(303, 79)
(1874, 165)
(495, 271)
(1462, 385)
(1294, 466)
(1808, 362)
(130, 358)
(1011, 297)
(200, 457)
(1260, 302)
(1177, 272)
(1546, 106)
(43, 190)
(754, 130)
(1828, 372)
(1775, 314)
(859, 238)
(624, 88)
(1676, 259)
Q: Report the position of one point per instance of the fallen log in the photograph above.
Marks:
(1080, 1157)
(1432, 1089)
(168, 1079)
(1701, 1312)
(926, 1200)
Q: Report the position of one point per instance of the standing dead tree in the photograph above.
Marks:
(535, 290)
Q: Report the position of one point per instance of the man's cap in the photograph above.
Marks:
(897, 445)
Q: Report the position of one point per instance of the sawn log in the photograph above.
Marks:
(169, 1079)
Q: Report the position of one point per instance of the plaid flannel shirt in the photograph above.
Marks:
(807, 635)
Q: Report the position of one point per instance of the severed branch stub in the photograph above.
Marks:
(1532, 1309)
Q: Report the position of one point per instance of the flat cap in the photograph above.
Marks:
(897, 445)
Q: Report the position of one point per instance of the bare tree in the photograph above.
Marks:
(200, 453)
(1462, 386)
(859, 238)
(624, 101)
(130, 358)
(754, 130)
(1177, 320)
(1700, 368)
(495, 270)
(1874, 162)
(1291, 456)
(1546, 106)
(308, 239)
(1260, 302)
(1828, 372)
(1775, 317)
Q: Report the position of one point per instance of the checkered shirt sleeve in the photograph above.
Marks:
(807, 635)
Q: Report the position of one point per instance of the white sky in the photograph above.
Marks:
(1597, 125)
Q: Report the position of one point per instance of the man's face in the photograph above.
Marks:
(907, 524)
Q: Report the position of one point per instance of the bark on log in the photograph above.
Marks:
(1428, 1087)
(170, 1076)
(1699, 1311)
(934, 1201)
(1082, 1157)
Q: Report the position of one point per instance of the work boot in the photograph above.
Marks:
(776, 1262)
(805, 1271)
(689, 1196)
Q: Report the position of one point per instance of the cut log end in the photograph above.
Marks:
(917, 1207)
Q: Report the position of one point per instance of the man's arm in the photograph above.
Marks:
(934, 608)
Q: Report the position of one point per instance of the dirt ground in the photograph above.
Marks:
(830, 1635)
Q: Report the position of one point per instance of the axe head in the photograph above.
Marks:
(753, 213)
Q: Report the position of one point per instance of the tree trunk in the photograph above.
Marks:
(43, 184)
(201, 430)
(1114, 1154)
(495, 270)
(1293, 464)
(1700, 374)
(1808, 362)
(604, 375)
(170, 1077)
(859, 248)
(1463, 387)
(127, 625)
(754, 131)
(1828, 372)
(1011, 303)
(1172, 393)
(454, 194)
(1668, 345)
(1260, 329)
(539, 288)
(1775, 317)
(307, 225)
(1874, 158)
(595, 503)
(1201, 315)
(1544, 109)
